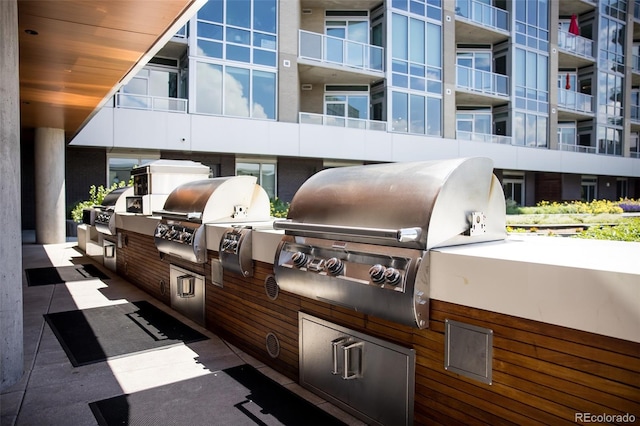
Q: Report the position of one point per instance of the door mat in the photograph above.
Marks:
(236, 396)
(63, 274)
(97, 334)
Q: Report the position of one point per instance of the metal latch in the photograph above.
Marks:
(240, 211)
(186, 286)
(478, 224)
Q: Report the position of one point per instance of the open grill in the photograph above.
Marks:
(359, 236)
(190, 206)
(105, 214)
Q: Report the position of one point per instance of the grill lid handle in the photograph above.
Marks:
(402, 235)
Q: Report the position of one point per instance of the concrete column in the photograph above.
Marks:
(50, 187)
(11, 343)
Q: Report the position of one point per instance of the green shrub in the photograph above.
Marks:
(627, 230)
(96, 196)
(279, 208)
(568, 207)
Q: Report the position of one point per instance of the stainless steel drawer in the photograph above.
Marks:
(371, 378)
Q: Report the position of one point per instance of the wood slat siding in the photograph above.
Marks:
(542, 373)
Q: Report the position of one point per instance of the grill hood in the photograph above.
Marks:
(222, 199)
(415, 205)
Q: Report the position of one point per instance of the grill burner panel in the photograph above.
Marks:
(190, 206)
(388, 282)
(360, 236)
(113, 202)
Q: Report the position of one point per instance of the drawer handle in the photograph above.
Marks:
(334, 353)
(347, 371)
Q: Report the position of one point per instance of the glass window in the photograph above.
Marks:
(416, 41)
(417, 114)
(264, 95)
(235, 35)
(211, 11)
(207, 30)
(434, 116)
(513, 187)
(237, 32)
(209, 48)
(264, 15)
(120, 166)
(399, 109)
(399, 46)
(236, 92)
(264, 171)
(239, 13)
(209, 88)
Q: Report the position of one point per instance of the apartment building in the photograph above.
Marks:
(550, 90)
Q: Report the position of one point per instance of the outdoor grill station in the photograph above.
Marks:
(389, 286)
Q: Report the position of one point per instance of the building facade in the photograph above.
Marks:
(550, 90)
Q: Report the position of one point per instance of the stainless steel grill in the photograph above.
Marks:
(359, 236)
(105, 214)
(153, 181)
(234, 199)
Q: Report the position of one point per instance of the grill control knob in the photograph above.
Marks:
(334, 266)
(392, 275)
(299, 259)
(376, 272)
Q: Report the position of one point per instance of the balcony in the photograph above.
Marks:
(338, 55)
(635, 70)
(480, 86)
(484, 137)
(576, 102)
(151, 103)
(576, 148)
(635, 114)
(478, 22)
(575, 51)
(331, 120)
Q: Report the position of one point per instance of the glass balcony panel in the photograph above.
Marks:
(151, 103)
(482, 81)
(330, 120)
(339, 51)
(575, 44)
(483, 14)
(311, 45)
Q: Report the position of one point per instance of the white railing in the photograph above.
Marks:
(151, 103)
(576, 148)
(182, 32)
(332, 120)
(635, 63)
(575, 44)
(484, 137)
(575, 101)
(634, 154)
(635, 113)
(338, 51)
(483, 14)
(482, 81)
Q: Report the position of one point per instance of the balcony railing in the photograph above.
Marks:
(338, 51)
(576, 101)
(332, 120)
(635, 113)
(634, 154)
(482, 81)
(151, 103)
(483, 14)
(635, 63)
(576, 148)
(575, 44)
(484, 137)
